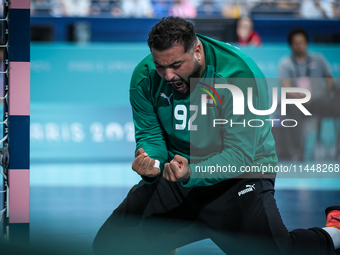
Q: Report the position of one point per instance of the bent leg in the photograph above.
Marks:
(313, 241)
(250, 223)
(140, 225)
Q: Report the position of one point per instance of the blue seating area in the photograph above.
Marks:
(136, 30)
(187, 8)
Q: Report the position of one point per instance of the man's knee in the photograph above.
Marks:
(115, 236)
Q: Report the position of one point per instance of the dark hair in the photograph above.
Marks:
(295, 31)
(170, 31)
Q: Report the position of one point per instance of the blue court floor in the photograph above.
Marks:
(69, 203)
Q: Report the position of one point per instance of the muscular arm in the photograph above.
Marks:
(148, 132)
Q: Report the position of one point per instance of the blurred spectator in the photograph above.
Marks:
(249, 4)
(337, 9)
(183, 9)
(246, 34)
(297, 70)
(208, 8)
(329, 7)
(76, 7)
(106, 7)
(276, 9)
(40, 7)
(231, 9)
(289, 7)
(161, 7)
(287, 4)
(137, 8)
(57, 8)
(116, 8)
(317, 9)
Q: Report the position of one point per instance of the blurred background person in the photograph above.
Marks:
(183, 9)
(116, 8)
(317, 9)
(76, 7)
(57, 9)
(209, 8)
(289, 8)
(288, 4)
(161, 7)
(41, 7)
(337, 9)
(137, 8)
(246, 34)
(106, 8)
(276, 9)
(297, 70)
(248, 5)
(329, 7)
(231, 9)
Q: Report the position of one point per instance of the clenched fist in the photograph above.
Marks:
(144, 165)
(177, 170)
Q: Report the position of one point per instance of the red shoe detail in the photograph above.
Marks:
(333, 219)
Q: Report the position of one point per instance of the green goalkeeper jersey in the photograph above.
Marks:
(169, 123)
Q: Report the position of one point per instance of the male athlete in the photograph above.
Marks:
(179, 201)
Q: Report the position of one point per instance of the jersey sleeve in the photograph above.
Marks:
(148, 132)
(240, 143)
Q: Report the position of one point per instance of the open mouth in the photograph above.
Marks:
(179, 85)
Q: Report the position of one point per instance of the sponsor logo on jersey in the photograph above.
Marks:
(249, 188)
(166, 97)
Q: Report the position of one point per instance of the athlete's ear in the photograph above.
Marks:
(198, 51)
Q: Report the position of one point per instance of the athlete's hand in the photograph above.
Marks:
(177, 170)
(144, 165)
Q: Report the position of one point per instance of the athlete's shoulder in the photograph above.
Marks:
(229, 61)
(142, 71)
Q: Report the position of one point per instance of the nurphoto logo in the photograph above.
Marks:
(239, 109)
